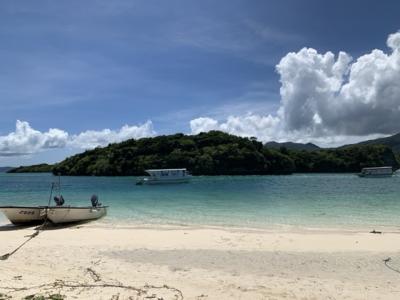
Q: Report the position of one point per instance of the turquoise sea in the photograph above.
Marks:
(301, 200)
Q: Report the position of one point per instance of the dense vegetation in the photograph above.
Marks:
(392, 141)
(41, 168)
(212, 153)
(215, 153)
(218, 153)
(349, 159)
(292, 146)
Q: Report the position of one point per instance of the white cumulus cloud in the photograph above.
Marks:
(248, 125)
(26, 140)
(334, 96)
(203, 125)
(91, 138)
(327, 99)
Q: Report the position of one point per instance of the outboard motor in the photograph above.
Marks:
(59, 200)
(95, 201)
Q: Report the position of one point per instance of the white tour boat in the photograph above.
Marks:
(376, 172)
(157, 176)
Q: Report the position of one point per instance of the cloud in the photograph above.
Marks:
(248, 125)
(26, 140)
(203, 125)
(323, 94)
(327, 98)
(91, 138)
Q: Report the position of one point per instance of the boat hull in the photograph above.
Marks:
(58, 215)
(165, 181)
(24, 214)
(374, 175)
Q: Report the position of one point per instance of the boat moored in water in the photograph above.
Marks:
(160, 176)
(376, 172)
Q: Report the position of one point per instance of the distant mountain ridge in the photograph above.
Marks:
(392, 141)
(292, 146)
(5, 169)
(40, 168)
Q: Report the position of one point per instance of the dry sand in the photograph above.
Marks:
(97, 261)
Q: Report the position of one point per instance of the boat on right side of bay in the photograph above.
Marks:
(376, 172)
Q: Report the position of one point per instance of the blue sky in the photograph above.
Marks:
(94, 65)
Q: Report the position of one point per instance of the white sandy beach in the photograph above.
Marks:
(91, 261)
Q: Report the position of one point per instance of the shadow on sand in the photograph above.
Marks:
(12, 227)
(72, 225)
(42, 226)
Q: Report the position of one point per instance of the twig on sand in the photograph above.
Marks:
(75, 285)
(386, 260)
(376, 232)
(96, 277)
(4, 296)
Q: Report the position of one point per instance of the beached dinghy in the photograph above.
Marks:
(68, 214)
(56, 214)
(20, 215)
(24, 214)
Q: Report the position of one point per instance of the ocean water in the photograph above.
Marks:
(300, 200)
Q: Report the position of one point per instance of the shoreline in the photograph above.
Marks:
(199, 263)
(108, 224)
(268, 227)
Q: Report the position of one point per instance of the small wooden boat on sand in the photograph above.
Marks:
(57, 214)
(69, 214)
(20, 215)
(24, 215)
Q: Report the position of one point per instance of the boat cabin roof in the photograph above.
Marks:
(165, 170)
(377, 168)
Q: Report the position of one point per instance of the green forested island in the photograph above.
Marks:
(215, 153)
(40, 168)
(5, 169)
